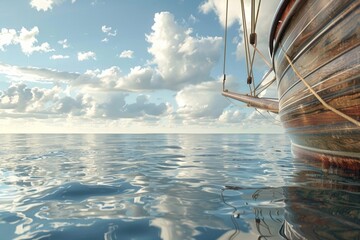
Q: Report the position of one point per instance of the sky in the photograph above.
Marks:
(127, 66)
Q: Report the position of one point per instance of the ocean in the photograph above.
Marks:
(170, 186)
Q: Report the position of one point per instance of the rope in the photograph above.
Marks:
(276, 122)
(225, 43)
(247, 50)
(350, 119)
(263, 79)
(264, 87)
(257, 14)
(254, 45)
(250, 57)
(262, 56)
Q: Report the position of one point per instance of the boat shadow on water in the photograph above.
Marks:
(318, 203)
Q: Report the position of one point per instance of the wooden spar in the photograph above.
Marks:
(260, 103)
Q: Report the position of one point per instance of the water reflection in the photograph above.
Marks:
(265, 206)
(318, 203)
(324, 204)
(169, 187)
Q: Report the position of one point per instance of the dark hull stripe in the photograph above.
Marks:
(322, 38)
(329, 158)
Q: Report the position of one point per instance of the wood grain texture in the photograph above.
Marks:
(322, 38)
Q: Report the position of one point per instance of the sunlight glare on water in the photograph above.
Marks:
(170, 187)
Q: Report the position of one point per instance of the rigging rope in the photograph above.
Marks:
(253, 41)
(347, 117)
(247, 50)
(262, 56)
(225, 43)
(250, 57)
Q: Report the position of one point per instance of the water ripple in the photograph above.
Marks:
(170, 187)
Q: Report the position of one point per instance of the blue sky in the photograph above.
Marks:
(125, 66)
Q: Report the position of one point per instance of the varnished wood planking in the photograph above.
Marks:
(307, 23)
(322, 38)
(339, 39)
(343, 96)
(336, 73)
(309, 20)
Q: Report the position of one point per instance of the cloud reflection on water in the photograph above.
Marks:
(156, 186)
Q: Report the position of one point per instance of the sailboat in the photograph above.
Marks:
(314, 46)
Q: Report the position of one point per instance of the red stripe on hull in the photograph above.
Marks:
(327, 160)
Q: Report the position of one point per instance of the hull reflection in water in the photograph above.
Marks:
(324, 206)
(170, 187)
(327, 206)
(265, 205)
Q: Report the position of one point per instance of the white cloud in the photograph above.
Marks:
(7, 37)
(114, 106)
(44, 5)
(19, 98)
(181, 58)
(219, 7)
(82, 56)
(267, 10)
(139, 78)
(126, 54)
(107, 31)
(17, 73)
(201, 101)
(54, 103)
(26, 39)
(64, 43)
(56, 57)
(232, 116)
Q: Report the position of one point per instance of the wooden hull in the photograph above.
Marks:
(322, 39)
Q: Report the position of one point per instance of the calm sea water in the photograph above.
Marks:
(170, 187)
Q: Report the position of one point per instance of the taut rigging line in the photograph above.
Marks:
(248, 40)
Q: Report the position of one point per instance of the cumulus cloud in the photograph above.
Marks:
(27, 41)
(82, 56)
(219, 8)
(232, 116)
(115, 107)
(44, 5)
(180, 57)
(53, 103)
(201, 101)
(19, 98)
(139, 78)
(126, 54)
(56, 57)
(7, 37)
(25, 38)
(267, 10)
